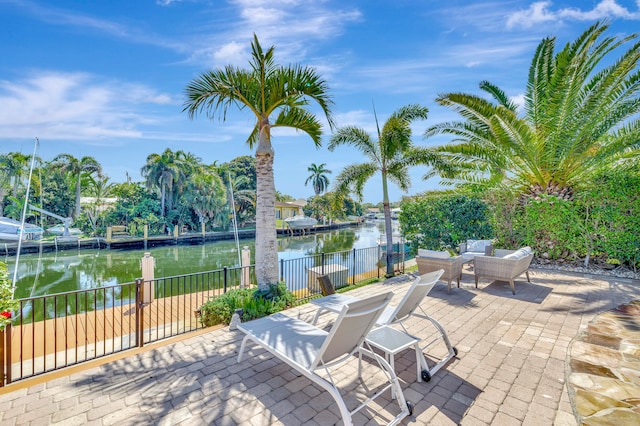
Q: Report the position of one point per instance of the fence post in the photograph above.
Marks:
(5, 355)
(148, 264)
(225, 280)
(322, 263)
(139, 313)
(353, 276)
(281, 269)
(246, 261)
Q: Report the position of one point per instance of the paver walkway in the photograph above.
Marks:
(510, 368)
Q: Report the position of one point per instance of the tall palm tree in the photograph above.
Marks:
(267, 90)
(318, 178)
(391, 155)
(77, 169)
(164, 171)
(579, 116)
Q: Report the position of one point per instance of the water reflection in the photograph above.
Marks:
(50, 273)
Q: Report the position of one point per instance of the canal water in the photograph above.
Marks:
(69, 270)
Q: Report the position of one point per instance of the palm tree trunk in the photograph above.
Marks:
(266, 237)
(387, 224)
(162, 195)
(76, 212)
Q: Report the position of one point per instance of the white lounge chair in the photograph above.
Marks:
(311, 350)
(407, 307)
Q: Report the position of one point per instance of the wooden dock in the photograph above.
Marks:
(132, 242)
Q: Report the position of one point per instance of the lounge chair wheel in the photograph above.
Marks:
(426, 376)
(455, 351)
(410, 407)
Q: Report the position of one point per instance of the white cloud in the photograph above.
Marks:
(288, 24)
(75, 106)
(231, 53)
(541, 12)
(518, 100)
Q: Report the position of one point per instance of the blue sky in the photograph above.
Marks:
(107, 78)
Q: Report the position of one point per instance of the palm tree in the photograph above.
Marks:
(14, 166)
(164, 171)
(99, 188)
(206, 193)
(77, 169)
(244, 199)
(318, 178)
(265, 89)
(391, 155)
(579, 116)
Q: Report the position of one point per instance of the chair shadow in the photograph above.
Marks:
(525, 291)
(449, 393)
(458, 296)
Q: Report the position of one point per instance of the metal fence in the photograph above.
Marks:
(60, 330)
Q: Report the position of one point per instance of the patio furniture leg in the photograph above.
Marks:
(527, 272)
(513, 286)
(476, 277)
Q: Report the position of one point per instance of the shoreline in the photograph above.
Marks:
(130, 242)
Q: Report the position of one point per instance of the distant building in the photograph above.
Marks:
(101, 205)
(289, 209)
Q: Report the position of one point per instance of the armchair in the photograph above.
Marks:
(506, 265)
(429, 261)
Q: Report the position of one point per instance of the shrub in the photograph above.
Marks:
(254, 304)
(7, 303)
(554, 228)
(444, 221)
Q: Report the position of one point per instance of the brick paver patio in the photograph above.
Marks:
(510, 368)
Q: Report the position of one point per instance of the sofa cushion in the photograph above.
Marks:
(434, 254)
(519, 254)
(477, 246)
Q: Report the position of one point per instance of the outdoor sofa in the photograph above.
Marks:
(505, 265)
(472, 248)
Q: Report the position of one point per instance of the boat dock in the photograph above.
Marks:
(132, 242)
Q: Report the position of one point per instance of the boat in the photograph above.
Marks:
(300, 222)
(10, 230)
(58, 230)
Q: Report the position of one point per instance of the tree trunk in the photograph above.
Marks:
(266, 237)
(78, 188)
(162, 194)
(387, 224)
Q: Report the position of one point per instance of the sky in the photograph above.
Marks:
(107, 78)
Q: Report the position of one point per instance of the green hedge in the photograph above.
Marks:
(443, 222)
(601, 223)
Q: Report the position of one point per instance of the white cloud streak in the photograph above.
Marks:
(541, 12)
(74, 106)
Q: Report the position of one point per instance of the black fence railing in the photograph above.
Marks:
(60, 330)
